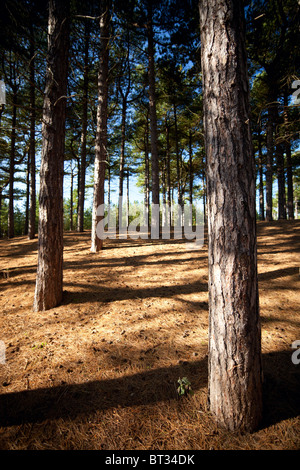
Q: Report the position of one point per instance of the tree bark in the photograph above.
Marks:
(146, 174)
(280, 181)
(235, 375)
(261, 182)
(11, 224)
(152, 110)
(49, 281)
(32, 197)
(269, 165)
(289, 168)
(101, 132)
(191, 173)
(81, 185)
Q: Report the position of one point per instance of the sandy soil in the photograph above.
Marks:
(100, 371)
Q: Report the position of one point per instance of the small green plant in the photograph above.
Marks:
(184, 387)
(39, 346)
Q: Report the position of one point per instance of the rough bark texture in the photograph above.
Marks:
(49, 281)
(269, 165)
(235, 376)
(289, 169)
(11, 223)
(81, 185)
(32, 205)
(101, 133)
(152, 110)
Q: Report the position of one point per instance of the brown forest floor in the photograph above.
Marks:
(100, 371)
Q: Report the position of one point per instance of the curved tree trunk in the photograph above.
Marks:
(49, 281)
(235, 378)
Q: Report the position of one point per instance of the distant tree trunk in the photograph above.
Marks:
(289, 169)
(27, 197)
(122, 157)
(32, 169)
(235, 388)
(261, 181)
(71, 197)
(178, 160)
(146, 175)
(168, 171)
(49, 281)
(269, 166)
(152, 108)
(101, 133)
(11, 224)
(281, 181)
(82, 166)
(190, 169)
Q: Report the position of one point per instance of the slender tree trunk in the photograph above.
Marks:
(147, 175)
(27, 197)
(190, 169)
(261, 181)
(152, 109)
(49, 281)
(101, 133)
(71, 197)
(289, 168)
(279, 165)
(235, 376)
(281, 182)
(122, 158)
(32, 169)
(168, 170)
(269, 166)
(11, 224)
(81, 185)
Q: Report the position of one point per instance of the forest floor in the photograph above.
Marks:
(100, 371)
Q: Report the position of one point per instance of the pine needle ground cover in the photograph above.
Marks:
(101, 371)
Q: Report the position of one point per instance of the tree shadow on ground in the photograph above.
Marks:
(281, 393)
(72, 400)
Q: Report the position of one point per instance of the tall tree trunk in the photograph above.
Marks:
(269, 165)
(32, 199)
(168, 170)
(27, 197)
(289, 168)
(152, 111)
(178, 160)
(235, 388)
(122, 159)
(82, 166)
(101, 133)
(11, 224)
(190, 169)
(261, 181)
(280, 166)
(49, 281)
(71, 197)
(281, 181)
(147, 175)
